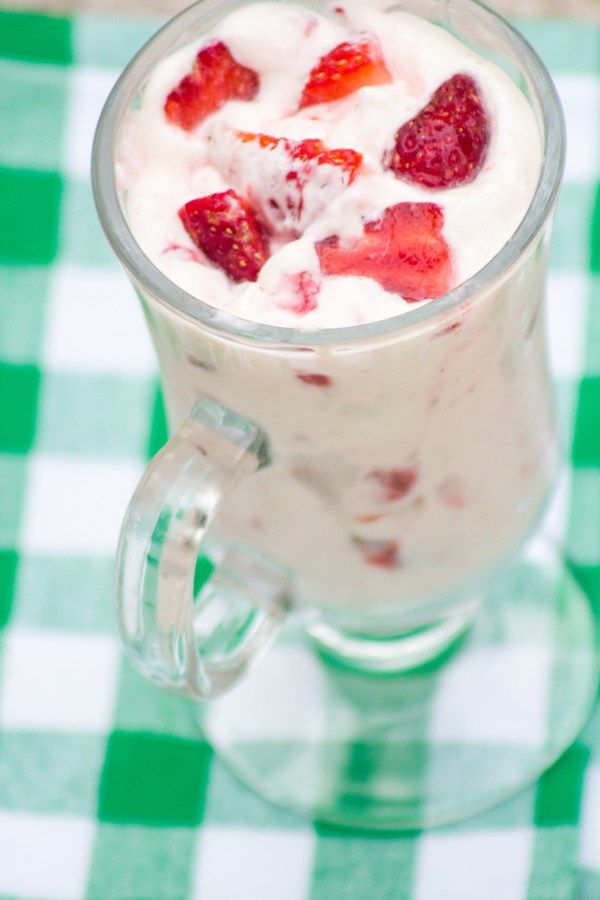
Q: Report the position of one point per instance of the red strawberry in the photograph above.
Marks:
(290, 181)
(215, 78)
(345, 69)
(404, 251)
(224, 226)
(446, 143)
(395, 482)
(383, 554)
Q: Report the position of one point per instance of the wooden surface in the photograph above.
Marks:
(581, 9)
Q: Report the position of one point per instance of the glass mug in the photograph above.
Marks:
(369, 486)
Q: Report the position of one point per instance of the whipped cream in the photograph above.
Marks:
(161, 167)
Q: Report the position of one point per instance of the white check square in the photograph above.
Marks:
(580, 96)
(95, 323)
(44, 856)
(567, 298)
(556, 519)
(473, 865)
(75, 505)
(54, 681)
(246, 864)
(89, 88)
(513, 685)
(289, 679)
(589, 846)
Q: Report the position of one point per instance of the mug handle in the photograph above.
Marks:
(172, 638)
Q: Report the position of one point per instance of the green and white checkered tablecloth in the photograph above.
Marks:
(106, 790)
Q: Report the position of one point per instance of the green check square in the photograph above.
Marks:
(583, 537)
(13, 477)
(571, 239)
(81, 238)
(96, 42)
(565, 46)
(229, 803)
(566, 393)
(41, 772)
(590, 736)
(559, 789)
(158, 424)
(9, 561)
(23, 294)
(70, 593)
(349, 866)
(589, 579)
(588, 885)
(19, 389)
(140, 707)
(595, 250)
(152, 779)
(586, 443)
(30, 203)
(516, 812)
(592, 327)
(97, 415)
(552, 873)
(130, 862)
(36, 97)
(35, 38)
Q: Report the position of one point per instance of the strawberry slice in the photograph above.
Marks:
(215, 78)
(290, 182)
(404, 251)
(348, 67)
(225, 227)
(446, 143)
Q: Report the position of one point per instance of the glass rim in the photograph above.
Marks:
(160, 287)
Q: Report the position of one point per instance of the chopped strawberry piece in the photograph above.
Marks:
(348, 67)
(310, 150)
(215, 78)
(225, 227)
(404, 251)
(383, 554)
(446, 143)
(299, 293)
(290, 181)
(314, 378)
(395, 482)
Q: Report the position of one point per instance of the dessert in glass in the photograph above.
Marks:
(337, 221)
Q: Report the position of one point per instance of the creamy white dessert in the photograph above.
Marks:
(162, 166)
(404, 466)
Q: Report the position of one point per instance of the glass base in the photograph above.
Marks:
(428, 746)
(397, 653)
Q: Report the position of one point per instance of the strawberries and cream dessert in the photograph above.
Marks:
(312, 171)
(316, 171)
